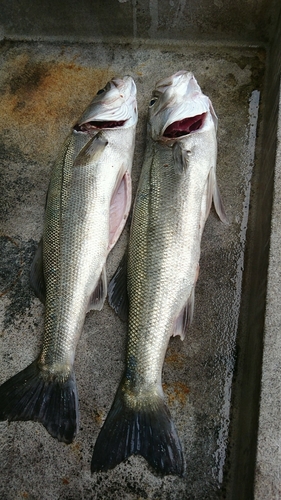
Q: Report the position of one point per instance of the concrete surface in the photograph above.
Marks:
(44, 88)
(51, 64)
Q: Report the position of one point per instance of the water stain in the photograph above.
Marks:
(28, 78)
(11, 264)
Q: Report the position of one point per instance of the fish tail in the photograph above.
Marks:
(147, 430)
(52, 402)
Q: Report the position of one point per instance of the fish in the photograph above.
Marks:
(88, 202)
(174, 196)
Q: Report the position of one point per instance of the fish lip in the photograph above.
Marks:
(99, 125)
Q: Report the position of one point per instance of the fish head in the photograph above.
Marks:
(114, 106)
(178, 108)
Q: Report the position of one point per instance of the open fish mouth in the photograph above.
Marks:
(86, 127)
(185, 126)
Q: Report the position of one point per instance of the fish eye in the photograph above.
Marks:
(100, 91)
(152, 101)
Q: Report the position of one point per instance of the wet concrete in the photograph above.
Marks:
(44, 88)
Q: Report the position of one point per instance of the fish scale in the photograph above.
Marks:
(159, 249)
(57, 250)
(173, 200)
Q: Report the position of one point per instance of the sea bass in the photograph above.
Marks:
(174, 196)
(87, 205)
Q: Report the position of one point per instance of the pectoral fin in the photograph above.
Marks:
(92, 151)
(119, 208)
(181, 158)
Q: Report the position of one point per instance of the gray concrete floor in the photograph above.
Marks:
(44, 89)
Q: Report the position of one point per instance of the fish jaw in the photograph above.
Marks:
(178, 107)
(112, 107)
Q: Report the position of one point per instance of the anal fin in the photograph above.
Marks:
(37, 279)
(117, 290)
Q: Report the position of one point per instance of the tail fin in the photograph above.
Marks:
(53, 403)
(147, 431)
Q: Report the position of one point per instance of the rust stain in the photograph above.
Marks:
(40, 98)
(76, 449)
(98, 416)
(176, 392)
(65, 480)
(25, 495)
(175, 358)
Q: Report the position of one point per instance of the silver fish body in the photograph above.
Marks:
(79, 233)
(173, 200)
(88, 202)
